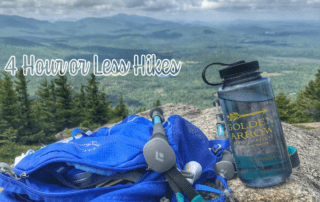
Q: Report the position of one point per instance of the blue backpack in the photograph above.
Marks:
(91, 160)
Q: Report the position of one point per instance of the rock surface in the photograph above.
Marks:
(184, 110)
(304, 185)
(315, 126)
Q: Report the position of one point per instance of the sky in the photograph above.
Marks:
(177, 10)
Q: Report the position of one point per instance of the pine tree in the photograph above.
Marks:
(53, 100)
(283, 107)
(46, 101)
(312, 94)
(82, 97)
(8, 136)
(64, 103)
(44, 90)
(24, 106)
(43, 116)
(120, 110)
(80, 106)
(8, 102)
(157, 103)
(306, 108)
(97, 109)
(300, 112)
(3, 123)
(106, 105)
(5, 137)
(7, 144)
(141, 110)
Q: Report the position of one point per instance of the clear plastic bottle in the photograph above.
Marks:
(253, 126)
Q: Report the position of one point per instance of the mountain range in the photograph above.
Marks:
(285, 50)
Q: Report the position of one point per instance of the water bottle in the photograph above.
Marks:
(253, 125)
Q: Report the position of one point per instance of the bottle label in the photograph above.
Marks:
(255, 133)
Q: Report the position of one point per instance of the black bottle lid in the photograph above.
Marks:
(239, 68)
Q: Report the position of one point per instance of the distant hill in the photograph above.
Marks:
(120, 22)
(136, 20)
(271, 27)
(20, 22)
(287, 51)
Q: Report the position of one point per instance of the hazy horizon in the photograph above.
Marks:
(173, 10)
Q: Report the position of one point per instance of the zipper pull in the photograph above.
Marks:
(23, 176)
(6, 169)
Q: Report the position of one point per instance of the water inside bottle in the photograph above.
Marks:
(257, 142)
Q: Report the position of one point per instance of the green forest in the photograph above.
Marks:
(35, 108)
(290, 58)
(33, 122)
(306, 108)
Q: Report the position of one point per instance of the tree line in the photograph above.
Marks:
(57, 106)
(306, 108)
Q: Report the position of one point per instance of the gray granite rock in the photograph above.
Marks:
(315, 126)
(304, 185)
(186, 111)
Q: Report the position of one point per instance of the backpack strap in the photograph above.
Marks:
(76, 131)
(179, 183)
(161, 158)
(226, 193)
(79, 179)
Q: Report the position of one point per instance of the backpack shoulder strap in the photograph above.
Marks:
(179, 183)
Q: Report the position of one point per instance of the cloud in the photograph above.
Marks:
(85, 4)
(271, 5)
(99, 8)
(75, 4)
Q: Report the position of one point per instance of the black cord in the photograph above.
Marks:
(204, 73)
